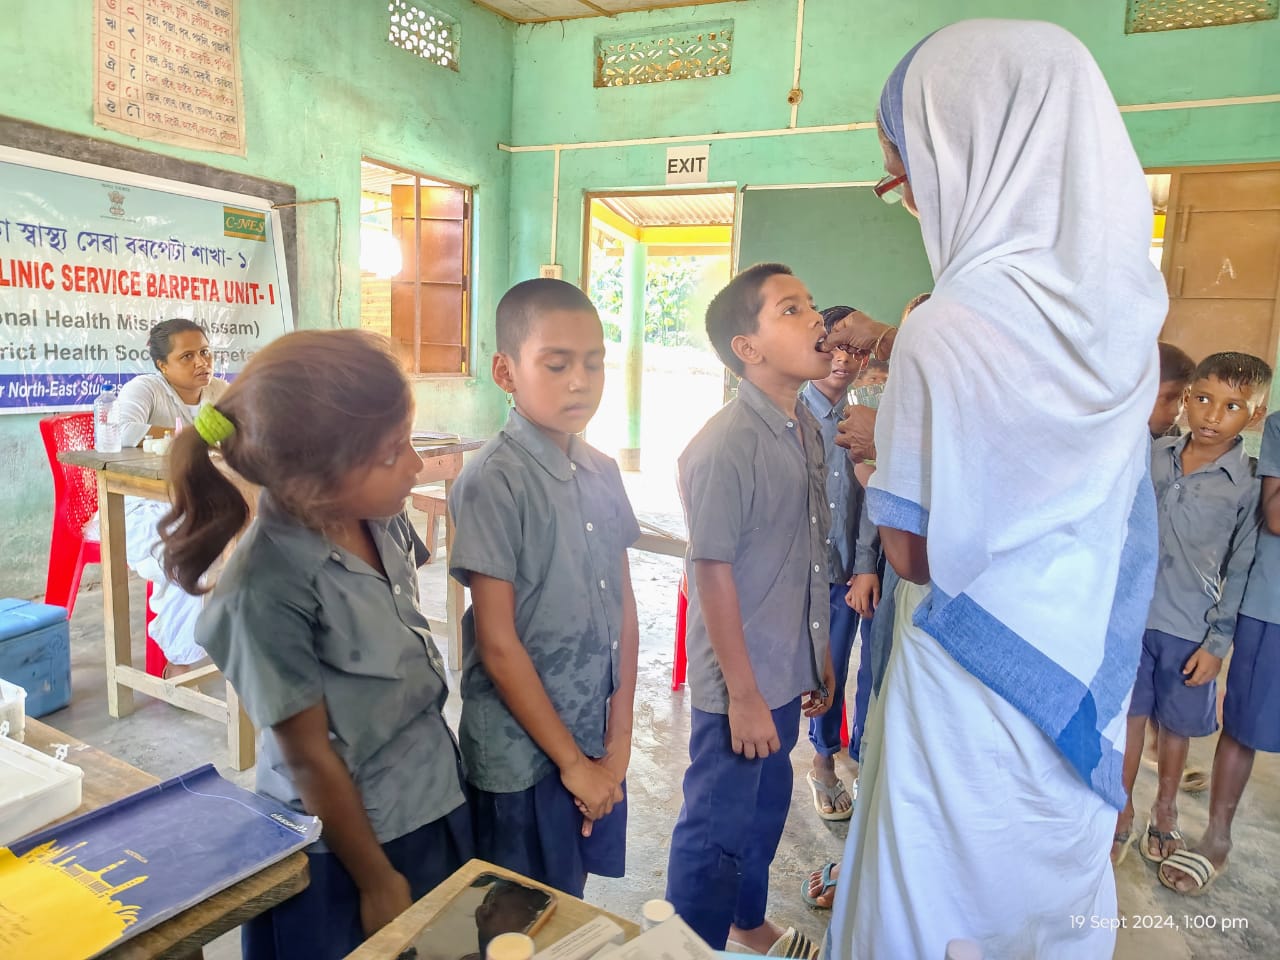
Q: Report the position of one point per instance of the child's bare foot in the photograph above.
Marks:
(769, 936)
(831, 798)
(760, 938)
(1189, 879)
(1162, 837)
(822, 886)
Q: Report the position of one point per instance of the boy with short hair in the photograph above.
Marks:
(1207, 507)
(753, 488)
(1176, 369)
(1251, 713)
(853, 549)
(551, 639)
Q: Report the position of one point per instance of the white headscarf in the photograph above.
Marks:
(1013, 431)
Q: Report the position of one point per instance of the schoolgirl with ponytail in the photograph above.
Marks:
(315, 621)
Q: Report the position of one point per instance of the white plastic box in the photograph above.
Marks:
(35, 790)
(13, 709)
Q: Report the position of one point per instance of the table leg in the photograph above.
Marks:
(115, 598)
(455, 600)
(240, 732)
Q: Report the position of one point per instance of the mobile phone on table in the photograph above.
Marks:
(489, 905)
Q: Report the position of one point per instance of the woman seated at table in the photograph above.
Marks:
(152, 405)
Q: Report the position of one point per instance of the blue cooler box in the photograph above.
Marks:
(35, 653)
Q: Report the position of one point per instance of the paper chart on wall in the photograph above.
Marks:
(169, 71)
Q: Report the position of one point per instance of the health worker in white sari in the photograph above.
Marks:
(151, 405)
(1012, 495)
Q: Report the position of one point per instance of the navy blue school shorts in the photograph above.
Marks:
(323, 921)
(1251, 711)
(538, 832)
(1160, 690)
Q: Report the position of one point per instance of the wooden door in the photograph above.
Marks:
(1222, 261)
(429, 303)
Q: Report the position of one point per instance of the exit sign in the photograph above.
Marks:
(688, 164)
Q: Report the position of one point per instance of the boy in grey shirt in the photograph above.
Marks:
(1207, 507)
(753, 488)
(551, 639)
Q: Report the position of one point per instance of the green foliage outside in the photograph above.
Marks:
(677, 291)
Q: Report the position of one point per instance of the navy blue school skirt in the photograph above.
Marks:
(323, 921)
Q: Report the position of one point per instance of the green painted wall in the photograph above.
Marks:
(322, 88)
(849, 48)
(865, 253)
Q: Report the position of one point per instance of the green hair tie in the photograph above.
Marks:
(212, 425)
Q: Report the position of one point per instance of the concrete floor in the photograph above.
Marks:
(165, 741)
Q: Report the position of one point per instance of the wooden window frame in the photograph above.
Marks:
(422, 179)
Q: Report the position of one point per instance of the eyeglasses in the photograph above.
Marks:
(889, 189)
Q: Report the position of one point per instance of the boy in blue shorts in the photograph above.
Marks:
(1251, 713)
(753, 488)
(551, 639)
(1207, 506)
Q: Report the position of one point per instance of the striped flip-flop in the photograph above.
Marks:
(795, 945)
(1196, 866)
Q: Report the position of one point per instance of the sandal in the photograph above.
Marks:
(1196, 866)
(827, 884)
(1194, 780)
(831, 794)
(795, 945)
(1144, 848)
(1125, 840)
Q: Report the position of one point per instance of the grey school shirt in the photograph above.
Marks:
(754, 493)
(557, 527)
(853, 542)
(1208, 529)
(1262, 595)
(295, 620)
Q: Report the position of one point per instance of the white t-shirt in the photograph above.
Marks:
(149, 401)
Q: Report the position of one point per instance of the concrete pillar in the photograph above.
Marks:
(633, 270)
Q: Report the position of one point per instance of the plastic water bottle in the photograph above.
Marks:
(106, 435)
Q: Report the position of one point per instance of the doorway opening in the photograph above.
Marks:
(651, 264)
(1217, 242)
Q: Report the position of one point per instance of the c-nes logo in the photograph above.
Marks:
(244, 224)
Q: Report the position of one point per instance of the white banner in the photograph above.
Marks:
(92, 258)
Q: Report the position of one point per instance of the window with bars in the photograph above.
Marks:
(415, 253)
(698, 50)
(1149, 16)
(425, 31)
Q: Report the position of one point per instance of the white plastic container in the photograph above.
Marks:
(13, 710)
(35, 790)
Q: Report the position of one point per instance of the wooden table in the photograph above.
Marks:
(444, 462)
(569, 915)
(107, 779)
(134, 473)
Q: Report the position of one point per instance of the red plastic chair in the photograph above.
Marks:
(680, 666)
(75, 499)
(156, 660)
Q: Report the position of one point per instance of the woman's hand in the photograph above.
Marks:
(857, 433)
(858, 333)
